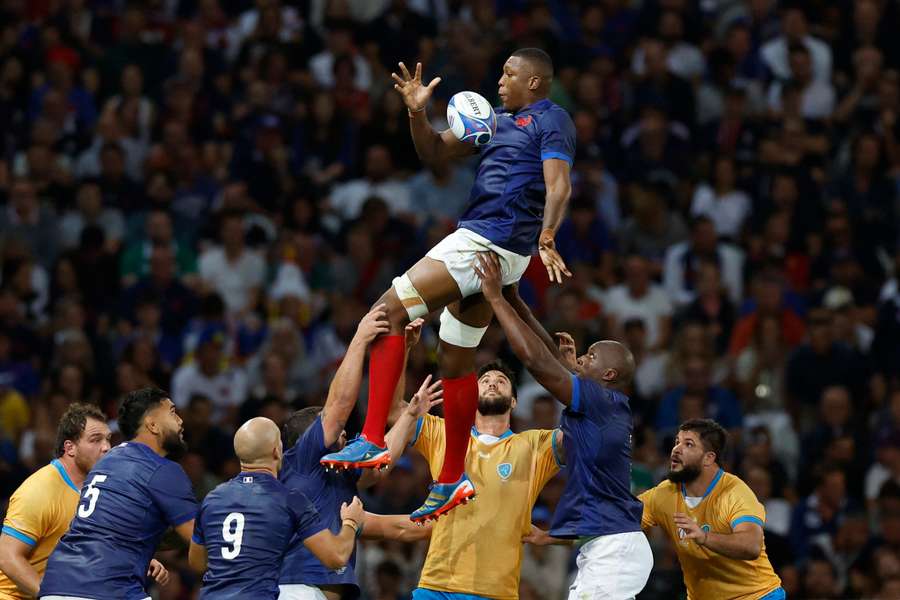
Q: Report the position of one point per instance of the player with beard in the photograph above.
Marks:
(510, 470)
(131, 497)
(713, 518)
(42, 507)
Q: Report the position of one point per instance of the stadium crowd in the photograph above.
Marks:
(207, 195)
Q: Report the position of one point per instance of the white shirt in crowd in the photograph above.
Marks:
(233, 280)
(226, 388)
(348, 198)
(731, 264)
(818, 100)
(774, 54)
(727, 212)
(653, 305)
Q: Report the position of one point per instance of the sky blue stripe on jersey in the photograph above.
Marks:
(555, 445)
(415, 436)
(712, 484)
(776, 594)
(747, 519)
(18, 535)
(196, 540)
(559, 155)
(576, 392)
(476, 433)
(62, 473)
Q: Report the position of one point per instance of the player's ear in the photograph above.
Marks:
(610, 374)
(513, 403)
(534, 82)
(69, 448)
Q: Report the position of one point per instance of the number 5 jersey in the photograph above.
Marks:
(129, 499)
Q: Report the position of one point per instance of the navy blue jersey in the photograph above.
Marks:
(506, 204)
(247, 525)
(129, 499)
(597, 499)
(302, 472)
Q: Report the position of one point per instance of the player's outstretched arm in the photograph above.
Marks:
(344, 389)
(427, 397)
(511, 293)
(525, 343)
(14, 563)
(334, 551)
(559, 189)
(431, 146)
(743, 543)
(394, 527)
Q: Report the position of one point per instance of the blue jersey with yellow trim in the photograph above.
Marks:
(506, 204)
(727, 503)
(129, 499)
(597, 439)
(38, 515)
(247, 525)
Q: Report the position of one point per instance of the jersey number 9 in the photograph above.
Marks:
(235, 520)
(91, 494)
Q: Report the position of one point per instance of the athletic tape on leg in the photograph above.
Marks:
(453, 331)
(409, 297)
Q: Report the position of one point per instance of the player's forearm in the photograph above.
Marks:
(21, 573)
(740, 545)
(399, 435)
(526, 315)
(426, 140)
(525, 343)
(344, 389)
(346, 543)
(556, 202)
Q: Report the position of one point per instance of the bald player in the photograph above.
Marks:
(246, 525)
(597, 507)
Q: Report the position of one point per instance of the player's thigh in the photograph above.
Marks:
(434, 283)
(462, 326)
(300, 592)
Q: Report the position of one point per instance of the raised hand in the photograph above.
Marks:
(354, 511)
(413, 332)
(688, 528)
(556, 266)
(415, 95)
(487, 268)
(567, 349)
(373, 324)
(158, 572)
(428, 396)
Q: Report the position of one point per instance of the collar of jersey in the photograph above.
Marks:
(503, 436)
(712, 484)
(62, 473)
(539, 105)
(254, 474)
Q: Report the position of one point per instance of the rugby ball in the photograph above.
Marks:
(471, 118)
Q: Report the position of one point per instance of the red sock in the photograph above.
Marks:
(385, 364)
(460, 405)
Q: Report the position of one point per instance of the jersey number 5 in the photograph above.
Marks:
(91, 494)
(233, 520)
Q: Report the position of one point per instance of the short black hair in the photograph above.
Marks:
(712, 435)
(297, 424)
(134, 406)
(499, 365)
(538, 59)
(73, 422)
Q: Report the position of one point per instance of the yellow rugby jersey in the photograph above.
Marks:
(477, 548)
(39, 514)
(727, 502)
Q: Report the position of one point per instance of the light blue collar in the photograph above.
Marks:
(712, 484)
(503, 436)
(62, 473)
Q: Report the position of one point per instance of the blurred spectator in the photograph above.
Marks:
(712, 306)
(232, 269)
(817, 97)
(700, 398)
(769, 299)
(347, 198)
(795, 31)
(683, 260)
(25, 220)
(819, 514)
(640, 298)
(722, 202)
(90, 211)
(653, 227)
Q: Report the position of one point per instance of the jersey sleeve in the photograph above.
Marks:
(743, 507)
(648, 517)
(307, 521)
(170, 489)
(25, 520)
(429, 439)
(197, 537)
(546, 447)
(557, 136)
(310, 448)
(589, 398)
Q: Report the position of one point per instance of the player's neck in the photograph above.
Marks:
(495, 425)
(72, 470)
(268, 469)
(150, 441)
(698, 487)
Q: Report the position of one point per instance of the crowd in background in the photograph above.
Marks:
(206, 196)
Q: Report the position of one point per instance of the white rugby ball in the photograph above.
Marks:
(471, 118)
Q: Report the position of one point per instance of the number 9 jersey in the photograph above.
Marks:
(247, 525)
(130, 498)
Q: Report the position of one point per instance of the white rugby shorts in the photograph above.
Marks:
(457, 251)
(298, 591)
(612, 567)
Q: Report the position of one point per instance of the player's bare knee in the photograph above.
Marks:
(397, 315)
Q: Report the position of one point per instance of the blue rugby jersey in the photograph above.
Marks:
(247, 525)
(597, 499)
(129, 499)
(302, 471)
(506, 204)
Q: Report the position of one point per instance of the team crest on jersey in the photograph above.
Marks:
(705, 527)
(523, 121)
(504, 470)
